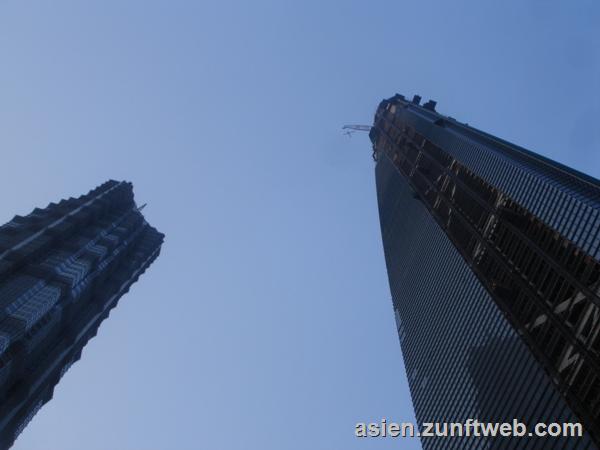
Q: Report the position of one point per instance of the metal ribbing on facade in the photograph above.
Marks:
(549, 194)
(445, 318)
(541, 380)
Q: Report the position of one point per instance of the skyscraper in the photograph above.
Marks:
(492, 253)
(62, 269)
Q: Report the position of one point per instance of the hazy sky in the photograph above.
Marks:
(266, 323)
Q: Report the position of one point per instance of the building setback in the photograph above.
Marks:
(62, 269)
(492, 253)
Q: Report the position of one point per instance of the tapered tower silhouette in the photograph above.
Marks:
(62, 269)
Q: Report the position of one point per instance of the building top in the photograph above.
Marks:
(545, 166)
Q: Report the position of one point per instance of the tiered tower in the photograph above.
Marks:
(62, 269)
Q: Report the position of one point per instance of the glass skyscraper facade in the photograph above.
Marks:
(62, 269)
(492, 255)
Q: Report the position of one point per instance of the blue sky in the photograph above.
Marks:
(267, 322)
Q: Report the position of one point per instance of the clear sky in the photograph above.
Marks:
(266, 323)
